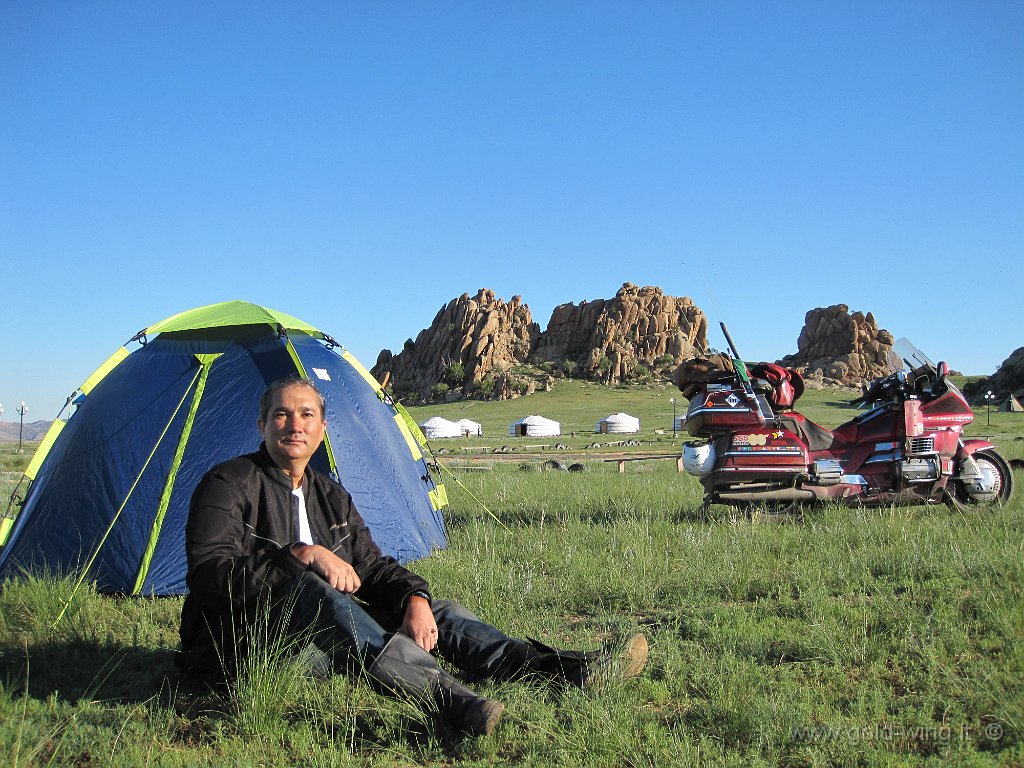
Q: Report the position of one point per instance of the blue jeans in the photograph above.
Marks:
(353, 635)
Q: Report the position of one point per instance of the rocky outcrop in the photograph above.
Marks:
(1007, 380)
(840, 348)
(608, 339)
(475, 346)
(470, 340)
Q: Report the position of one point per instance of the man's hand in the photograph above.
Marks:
(335, 571)
(419, 623)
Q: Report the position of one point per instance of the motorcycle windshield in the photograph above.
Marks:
(910, 357)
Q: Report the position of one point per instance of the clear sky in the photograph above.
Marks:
(360, 164)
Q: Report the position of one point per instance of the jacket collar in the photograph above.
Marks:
(278, 475)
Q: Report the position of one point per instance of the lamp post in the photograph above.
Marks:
(988, 408)
(673, 417)
(21, 429)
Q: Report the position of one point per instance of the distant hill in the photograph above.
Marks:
(34, 430)
(1006, 381)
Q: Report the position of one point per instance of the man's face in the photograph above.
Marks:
(294, 427)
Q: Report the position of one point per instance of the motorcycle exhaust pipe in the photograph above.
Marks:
(777, 494)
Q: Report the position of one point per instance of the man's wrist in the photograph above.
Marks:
(420, 594)
(298, 551)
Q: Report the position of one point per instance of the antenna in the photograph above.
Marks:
(718, 313)
(728, 339)
(707, 287)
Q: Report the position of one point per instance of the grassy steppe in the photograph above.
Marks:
(843, 637)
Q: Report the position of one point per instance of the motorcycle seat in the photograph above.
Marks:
(817, 437)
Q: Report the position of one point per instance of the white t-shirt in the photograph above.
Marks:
(301, 518)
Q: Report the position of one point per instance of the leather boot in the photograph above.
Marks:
(406, 669)
(588, 669)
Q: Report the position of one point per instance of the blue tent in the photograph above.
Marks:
(108, 490)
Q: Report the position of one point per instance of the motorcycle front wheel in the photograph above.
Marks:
(994, 467)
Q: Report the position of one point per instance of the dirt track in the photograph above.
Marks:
(565, 457)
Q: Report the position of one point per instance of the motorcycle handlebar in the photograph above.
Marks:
(881, 389)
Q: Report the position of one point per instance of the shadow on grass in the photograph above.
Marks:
(79, 672)
(81, 669)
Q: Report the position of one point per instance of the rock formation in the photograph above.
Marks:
(475, 346)
(1008, 380)
(840, 348)
(469, 340)
(606, 339)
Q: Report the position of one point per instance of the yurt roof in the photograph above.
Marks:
(621, 417)
(535, 420)
(438, 421)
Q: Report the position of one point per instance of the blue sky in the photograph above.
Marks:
(358, 165)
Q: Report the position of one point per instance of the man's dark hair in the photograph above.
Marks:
(285, 383)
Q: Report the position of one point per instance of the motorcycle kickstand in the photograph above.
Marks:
(705, 508)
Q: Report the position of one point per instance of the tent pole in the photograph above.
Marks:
(206, 361)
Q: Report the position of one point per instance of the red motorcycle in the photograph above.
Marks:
(908, 448)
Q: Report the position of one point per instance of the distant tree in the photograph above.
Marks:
(640, 373)
(664, 361)
(569, 368)
(485, 388)
(454, 375)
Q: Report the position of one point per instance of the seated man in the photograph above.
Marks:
(268, 536)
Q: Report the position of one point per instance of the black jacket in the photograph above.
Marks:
(238, 537)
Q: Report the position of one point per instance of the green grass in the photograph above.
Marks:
(843, 637)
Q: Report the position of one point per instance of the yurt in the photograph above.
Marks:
(470, 428)
(618, 424)
(435, 427)
(535, 426)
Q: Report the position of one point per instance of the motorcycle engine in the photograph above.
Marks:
(827, 472)
(925, 470)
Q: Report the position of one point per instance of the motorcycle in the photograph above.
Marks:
(756, 451)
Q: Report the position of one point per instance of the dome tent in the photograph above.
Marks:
(109, 486)
(535, 426)
(470, 427)
(436, 427)
(618, 424)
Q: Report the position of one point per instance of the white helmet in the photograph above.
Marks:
(698, 458)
